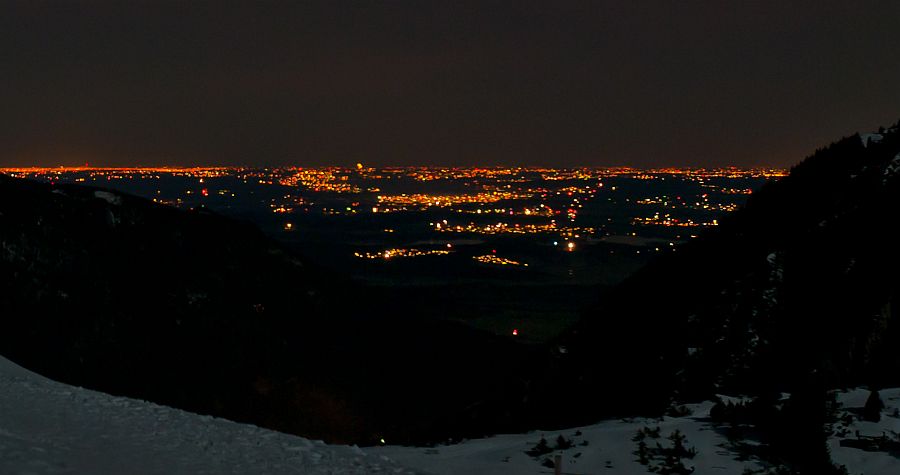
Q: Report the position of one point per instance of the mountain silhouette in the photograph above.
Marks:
(800, 284)
(190, 309)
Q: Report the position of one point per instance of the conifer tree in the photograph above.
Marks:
(874, 406)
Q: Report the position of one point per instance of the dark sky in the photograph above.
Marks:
(434, 82)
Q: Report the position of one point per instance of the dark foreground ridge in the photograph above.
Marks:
(796, 292)
(204, 313)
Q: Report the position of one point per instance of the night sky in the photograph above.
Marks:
(421, 82)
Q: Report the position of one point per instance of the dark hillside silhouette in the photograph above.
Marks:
(197, 311)
(799, 285)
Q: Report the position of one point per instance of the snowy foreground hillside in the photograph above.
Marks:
(609, 447)
(49, 428)
(606, 447)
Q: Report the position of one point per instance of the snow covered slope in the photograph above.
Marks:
(52, 428)
(863, 446)
(607, 447)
